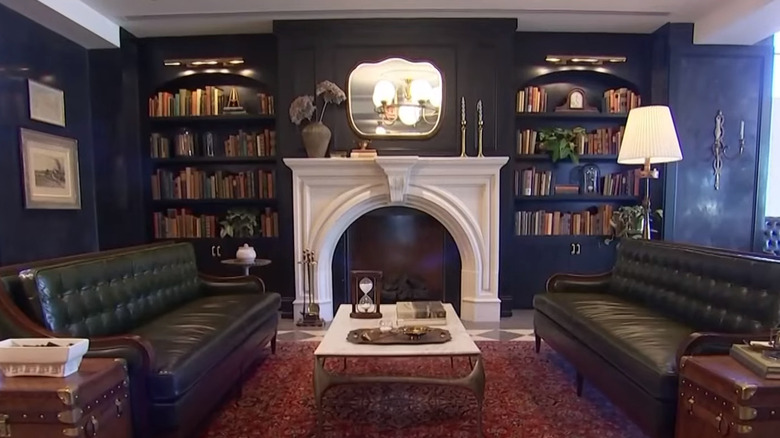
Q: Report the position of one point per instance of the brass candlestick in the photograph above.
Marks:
(462, 127)
(479, 128)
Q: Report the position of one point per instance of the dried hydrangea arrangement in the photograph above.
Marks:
(303, 108)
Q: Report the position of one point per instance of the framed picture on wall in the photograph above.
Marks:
(47, 104)
(50, 168)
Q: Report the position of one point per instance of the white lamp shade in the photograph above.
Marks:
(650, 134)
(384, 91)
(436, 97)
(420, 89)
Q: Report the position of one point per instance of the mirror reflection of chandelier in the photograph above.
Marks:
(412, 102)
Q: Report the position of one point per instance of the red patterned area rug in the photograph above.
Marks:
(527, 396)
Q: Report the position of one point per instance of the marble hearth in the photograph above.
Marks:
(462, 193)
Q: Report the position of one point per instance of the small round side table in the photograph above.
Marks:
(247, 265)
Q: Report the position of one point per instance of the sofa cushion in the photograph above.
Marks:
(708, 289)
(638, 341)
(192, 339)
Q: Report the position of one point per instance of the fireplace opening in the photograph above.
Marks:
(417, 256)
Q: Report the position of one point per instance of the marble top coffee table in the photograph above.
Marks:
(335, 345)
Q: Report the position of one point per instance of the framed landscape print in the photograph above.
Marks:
(50, 168)
(47, 104)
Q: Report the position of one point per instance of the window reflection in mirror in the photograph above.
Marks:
(395, 98)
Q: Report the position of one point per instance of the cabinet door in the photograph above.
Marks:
(539, 257)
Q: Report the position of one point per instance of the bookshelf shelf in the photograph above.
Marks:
(578, 198)
(212, 160)
(566, 237)
(546, 157)
(239, 201)
(201, 239)
(175, 120)
(568, 116)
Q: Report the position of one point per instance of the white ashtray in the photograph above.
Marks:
(49, 357)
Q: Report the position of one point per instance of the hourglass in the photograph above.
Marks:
(366, 293)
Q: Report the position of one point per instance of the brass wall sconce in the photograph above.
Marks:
(583, 59)
(205, 62)
(720, 149)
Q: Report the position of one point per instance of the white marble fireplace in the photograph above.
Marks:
(461, 193)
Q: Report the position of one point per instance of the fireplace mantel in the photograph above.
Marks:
(462, 193)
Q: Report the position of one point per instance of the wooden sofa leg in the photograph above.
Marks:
(273, 343)
(538, 343)
(580, 382)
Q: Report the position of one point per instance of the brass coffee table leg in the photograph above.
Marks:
(321, 384)
(474, 381)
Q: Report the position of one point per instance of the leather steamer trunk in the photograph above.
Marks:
(93, 402)
(721, 398)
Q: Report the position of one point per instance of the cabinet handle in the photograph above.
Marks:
(212, 251)
(219, 250)
(573, 248)
(579, 248)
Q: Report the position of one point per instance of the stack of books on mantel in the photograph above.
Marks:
(754, 360)
(421, 312)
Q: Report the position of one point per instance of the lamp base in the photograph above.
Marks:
(646, 173)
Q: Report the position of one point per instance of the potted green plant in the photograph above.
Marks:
(239, 223)
(629, 221)
(561, 143)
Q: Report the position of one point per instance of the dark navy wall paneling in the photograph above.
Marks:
(28, 50)
(703, 80)
(116, 104)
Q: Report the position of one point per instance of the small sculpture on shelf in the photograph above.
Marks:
(233, 105)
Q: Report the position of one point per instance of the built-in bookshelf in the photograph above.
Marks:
(175, 223)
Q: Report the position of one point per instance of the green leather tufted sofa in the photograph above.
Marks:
(188, 339)
(626, 330)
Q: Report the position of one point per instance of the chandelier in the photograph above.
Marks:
(412, 102)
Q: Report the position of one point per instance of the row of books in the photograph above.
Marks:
(266, 104)
(534, 99)
(200, 102)
(184, 224)
(192, 183)
(533, 182)
(592, 222)
(602, 141)
(243, 144)
(621, 100)
(531, 100)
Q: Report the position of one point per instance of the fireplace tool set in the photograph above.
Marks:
(310, 316)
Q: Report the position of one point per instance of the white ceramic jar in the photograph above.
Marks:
(246, 252)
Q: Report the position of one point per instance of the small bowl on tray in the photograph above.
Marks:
(415, 331)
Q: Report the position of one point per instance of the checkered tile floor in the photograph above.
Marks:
(516, 328)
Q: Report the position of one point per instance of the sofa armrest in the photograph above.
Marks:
(595, 283)
(702, 343)
(244, 284)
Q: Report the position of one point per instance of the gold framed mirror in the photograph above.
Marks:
(395, 99)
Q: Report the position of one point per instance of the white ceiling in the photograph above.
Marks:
(716, 21)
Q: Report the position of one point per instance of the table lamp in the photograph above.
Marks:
(650, 138)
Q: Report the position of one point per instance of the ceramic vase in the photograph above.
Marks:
(316, 137)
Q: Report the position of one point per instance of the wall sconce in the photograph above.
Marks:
(413, 101)
(583, 59)
(204, 62)
(720, 149)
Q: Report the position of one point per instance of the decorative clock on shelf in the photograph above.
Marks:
(576, 100)
(366, 294)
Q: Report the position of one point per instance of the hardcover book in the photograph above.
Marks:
(756, 362)
(421, 312)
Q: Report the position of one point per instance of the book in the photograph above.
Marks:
(421, 312)
(756, 362)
